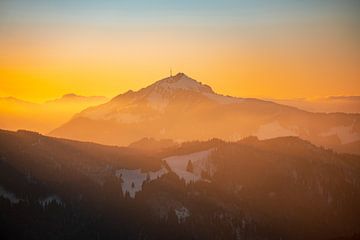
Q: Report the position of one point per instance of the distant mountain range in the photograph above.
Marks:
(183, 109)
(43, 117)
(345, 104)
(75, 99)
(283, 188)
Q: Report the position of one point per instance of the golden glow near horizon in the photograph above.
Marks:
(276, 58)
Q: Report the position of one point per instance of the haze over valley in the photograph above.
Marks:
(152, 120)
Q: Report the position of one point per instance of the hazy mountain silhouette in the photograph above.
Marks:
(345, 104)
(182, 109)
(74, 98)
(43, 117)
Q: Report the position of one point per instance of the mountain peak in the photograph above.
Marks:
(70, 95)
(182, 82)
(180, 75)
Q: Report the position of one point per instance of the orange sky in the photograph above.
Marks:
(283, 57)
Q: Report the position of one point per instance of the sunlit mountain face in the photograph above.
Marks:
(180, 120)
(183, 109)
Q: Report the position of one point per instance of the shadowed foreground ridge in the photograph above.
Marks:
(282, 188)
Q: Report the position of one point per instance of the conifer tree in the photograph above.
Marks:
(190, 167)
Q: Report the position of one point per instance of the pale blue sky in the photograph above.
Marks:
(184, 12)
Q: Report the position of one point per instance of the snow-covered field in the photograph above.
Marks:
(50, 199)
(273, 130)
(8, 195)
(199, 160)
(182, 213)
(133, 179)
(346, 134)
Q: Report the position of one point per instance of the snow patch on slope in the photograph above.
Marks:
(199, 160)
(273, 130)
(344, 133)
(9, 195)
(50, 199)
(133, 179)
(182, 213)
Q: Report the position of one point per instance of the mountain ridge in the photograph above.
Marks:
(283, 188)
(183, 109)
(76, 98)
(330, 104)
(43, 117)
